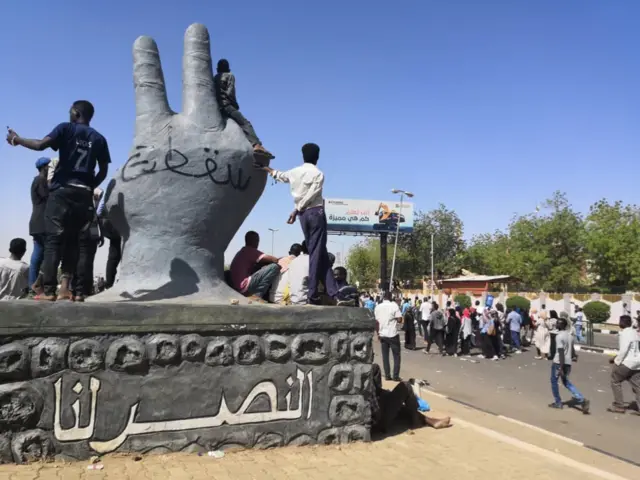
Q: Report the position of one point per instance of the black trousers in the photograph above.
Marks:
(83, 278)
(69, 210)
(424, 329)
(437, 337)
(466, 345)
(244, 124)
(392, 344)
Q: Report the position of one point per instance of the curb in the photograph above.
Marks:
(601, 350)
(532, 427)
(605, 331)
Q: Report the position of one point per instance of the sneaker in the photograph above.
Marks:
(518, 352)
(495, 357)
(555, 405)
(585, 406)
(388, 379)
(397, 379)
(538, 358)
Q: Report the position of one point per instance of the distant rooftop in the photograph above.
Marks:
(479, 278)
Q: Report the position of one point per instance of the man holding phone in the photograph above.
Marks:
(70, 208)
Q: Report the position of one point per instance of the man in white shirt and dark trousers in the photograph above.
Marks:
(626, 366)
(388, 315)
(306, 188)
(561, 368)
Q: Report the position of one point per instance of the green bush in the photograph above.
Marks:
(597, 312)
(463, 300)
(521, 302)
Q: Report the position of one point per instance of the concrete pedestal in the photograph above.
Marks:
(80, 380)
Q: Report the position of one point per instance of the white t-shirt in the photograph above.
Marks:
(628, 349)
(14, 278)
(387, 314)
(299, 279)
(425, 311)
(279, 287)
(564, 341)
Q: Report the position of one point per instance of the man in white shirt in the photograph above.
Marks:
(388, 315)
(306, 188)
(280, 290)
(299, 278)
(626, 365)
(14, 273)
(425, 312)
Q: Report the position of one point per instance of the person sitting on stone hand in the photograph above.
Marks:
(253, 272)
(225, 87)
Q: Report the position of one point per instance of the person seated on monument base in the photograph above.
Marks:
(225, 89)
(253, 272)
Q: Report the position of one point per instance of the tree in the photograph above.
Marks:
(613, 245)
(448, 245)
(547, 251)
(363, 263)
(488, 254)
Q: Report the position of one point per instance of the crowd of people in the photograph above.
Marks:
(497, 333)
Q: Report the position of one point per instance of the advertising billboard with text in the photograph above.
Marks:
(370, 216)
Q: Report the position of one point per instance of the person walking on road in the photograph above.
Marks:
(388, 315)
(561, 368)
(626, 366)
(578, 324)
(425, 312)
(437, 325)
(514, 319)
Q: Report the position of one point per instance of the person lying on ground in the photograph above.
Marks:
(398, 404)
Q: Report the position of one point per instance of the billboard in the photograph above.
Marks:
(344, 215)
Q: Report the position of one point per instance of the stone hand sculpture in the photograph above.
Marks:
(186, 188)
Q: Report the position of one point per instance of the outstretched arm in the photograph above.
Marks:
(32, 144)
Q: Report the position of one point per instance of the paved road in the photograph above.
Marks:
(605, 340)
(518, 387)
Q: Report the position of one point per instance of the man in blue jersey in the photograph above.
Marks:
(70, 207)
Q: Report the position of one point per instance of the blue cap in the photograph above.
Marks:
(42, 162)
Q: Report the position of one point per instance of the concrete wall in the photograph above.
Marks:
(76, 380)
(619, 304)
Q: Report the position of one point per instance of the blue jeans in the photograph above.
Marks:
(261, 280)
(579, 336)
(36, 258)
(566, 382)
(515, 340)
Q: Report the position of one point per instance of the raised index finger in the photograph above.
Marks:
(198, 95)
(148, 81)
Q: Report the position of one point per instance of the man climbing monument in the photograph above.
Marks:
(225, 85)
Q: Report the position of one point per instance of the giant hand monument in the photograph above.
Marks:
(93, 378)
(186, 188)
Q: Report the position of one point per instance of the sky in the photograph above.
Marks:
(486, 106)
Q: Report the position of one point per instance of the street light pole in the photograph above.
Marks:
(395, 246)
(273, 238)
(432, 284)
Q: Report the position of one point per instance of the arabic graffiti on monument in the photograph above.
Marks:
(177, 162)
(223, 417)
